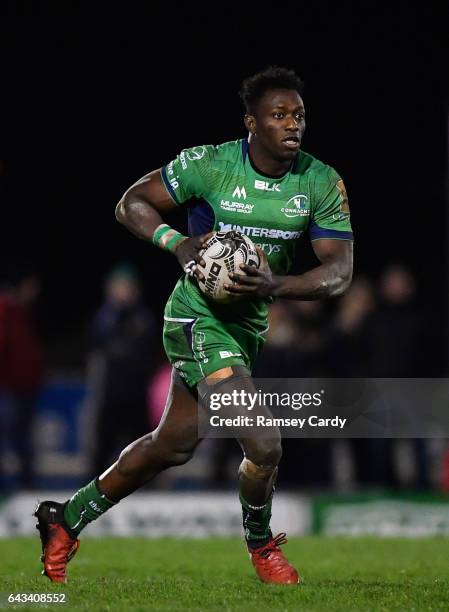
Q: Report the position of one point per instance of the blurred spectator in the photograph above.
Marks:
(123, 352)
(279, 357)
(349, 356)
(294, 349)
(387, 340)
(310, 320)
(348, 350)
(401, 348)
(295, 341)
(21, 364)
(398, 331)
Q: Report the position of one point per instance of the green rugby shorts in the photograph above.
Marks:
(198, 346)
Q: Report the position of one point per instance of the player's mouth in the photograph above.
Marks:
(291, 142)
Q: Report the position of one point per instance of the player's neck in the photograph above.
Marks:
(266, 165)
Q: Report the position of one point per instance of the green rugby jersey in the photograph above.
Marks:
(222, 191)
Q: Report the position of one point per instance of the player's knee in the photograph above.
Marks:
(264, 453)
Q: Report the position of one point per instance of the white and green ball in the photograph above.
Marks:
(223, 254)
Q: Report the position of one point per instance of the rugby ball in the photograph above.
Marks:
(223, 254)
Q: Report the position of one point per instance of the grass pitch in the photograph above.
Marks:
(138, 574)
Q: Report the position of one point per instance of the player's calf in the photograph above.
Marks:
(151, 454)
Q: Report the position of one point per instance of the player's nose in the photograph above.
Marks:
(291, 124)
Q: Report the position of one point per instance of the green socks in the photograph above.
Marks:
(89, 503)
(256, 523)
(85, 506)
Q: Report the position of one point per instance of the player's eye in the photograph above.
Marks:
(300, 116)
(278, 115)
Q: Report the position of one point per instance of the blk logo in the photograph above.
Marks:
(265, 186)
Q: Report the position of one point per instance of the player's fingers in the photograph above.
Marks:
(199, 250)
(261, 253)
(205, 237)
(238, 288)
(199, 260)
(262, 256)
(250, 270)
(199, 275)
(200, 247)
(243, 280)
(190, 267)
(195, 254)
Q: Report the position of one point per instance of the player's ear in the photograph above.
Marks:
(250, 123)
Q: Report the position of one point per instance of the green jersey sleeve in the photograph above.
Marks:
(330, 216)
(188, 176)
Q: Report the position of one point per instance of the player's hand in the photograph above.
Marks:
(256, 282)
(187, 252)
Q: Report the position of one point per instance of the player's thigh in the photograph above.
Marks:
(178, 427)
(262, 446)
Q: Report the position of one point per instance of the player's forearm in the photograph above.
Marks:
(138, 216)
(327, 280)
(136, 213)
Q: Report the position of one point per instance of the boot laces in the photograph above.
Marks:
(273, 545)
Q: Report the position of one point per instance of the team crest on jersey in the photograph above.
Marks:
(196, 153)
(296, 206)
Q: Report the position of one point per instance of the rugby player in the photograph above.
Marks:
(266, 187)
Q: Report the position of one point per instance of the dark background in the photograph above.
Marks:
(93, 98)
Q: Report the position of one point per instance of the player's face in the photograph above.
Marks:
(279, 123)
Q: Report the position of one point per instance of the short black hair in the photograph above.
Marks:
(273, 77)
